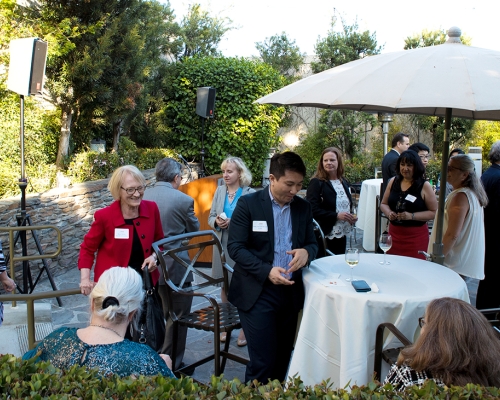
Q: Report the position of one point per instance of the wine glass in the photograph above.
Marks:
(352, 259)
(385, 243)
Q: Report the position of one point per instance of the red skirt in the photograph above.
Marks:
(408, 240)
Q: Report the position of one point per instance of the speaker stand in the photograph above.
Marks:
(202, 151)
(23, 219)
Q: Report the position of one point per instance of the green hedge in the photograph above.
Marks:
(27, 379)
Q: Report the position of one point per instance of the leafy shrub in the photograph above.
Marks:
(147, 158)
(92, 165)
(27, 379)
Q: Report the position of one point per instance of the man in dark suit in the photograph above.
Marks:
(400, 142)
(488, 295)
(177, 217)
(271, 238)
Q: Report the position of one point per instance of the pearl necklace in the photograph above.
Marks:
(230, 196)
(105, 327)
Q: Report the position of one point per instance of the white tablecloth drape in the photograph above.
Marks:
(336, 339)
(370, 188)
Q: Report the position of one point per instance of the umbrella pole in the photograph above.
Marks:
(437, 247)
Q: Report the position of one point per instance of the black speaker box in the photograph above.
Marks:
(28, 57)
(205, 102)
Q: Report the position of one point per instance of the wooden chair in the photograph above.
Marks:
(217, 317)
(320, 237)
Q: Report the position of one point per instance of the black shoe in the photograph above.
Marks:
(188, 371)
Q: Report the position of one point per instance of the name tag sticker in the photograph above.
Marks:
(121, 233)
(411, 198)
(259, 226)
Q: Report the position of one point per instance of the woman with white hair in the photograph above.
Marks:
(463, 223)
(236, 177)
(114, 302)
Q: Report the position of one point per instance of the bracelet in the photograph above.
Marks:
(412, 216)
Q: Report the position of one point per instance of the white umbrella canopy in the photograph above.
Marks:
(438, 80)
(420, 81)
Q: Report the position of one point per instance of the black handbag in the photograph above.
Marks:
(151, 326)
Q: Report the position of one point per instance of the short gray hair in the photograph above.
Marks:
(167, 169)
(125, 285)
(245, 174)
(494, 155)
(465, 164)
(116, 180)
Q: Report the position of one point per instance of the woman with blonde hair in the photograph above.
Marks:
(121, 234)
(115, 301)
(463, 223)
(456, 346)
(237, 179)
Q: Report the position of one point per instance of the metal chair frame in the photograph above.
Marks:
(216, 318)
(320, 237)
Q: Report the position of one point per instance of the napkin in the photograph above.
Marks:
(333, 281)
(375, 288)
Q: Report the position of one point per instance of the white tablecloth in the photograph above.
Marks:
(370, 188)
(336, 339)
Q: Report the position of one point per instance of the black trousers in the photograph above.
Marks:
(270, 327)
(181, 307)
(337, 245)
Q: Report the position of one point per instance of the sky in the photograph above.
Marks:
(305, 21)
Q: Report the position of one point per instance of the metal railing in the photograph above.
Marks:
(13, 259)
(30, 306)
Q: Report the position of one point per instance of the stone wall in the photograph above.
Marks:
(71, 210)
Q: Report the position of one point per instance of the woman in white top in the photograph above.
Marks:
(330, 198)
(463, 225)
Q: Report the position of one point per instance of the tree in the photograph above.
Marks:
(282, 54)
(344, 128)
(239, 127)
(428, 38)
(99, 57)
(202, 33)
(342, 47)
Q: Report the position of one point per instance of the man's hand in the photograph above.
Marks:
(276, 278)
(300, 257)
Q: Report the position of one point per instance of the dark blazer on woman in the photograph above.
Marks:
(323, 199)
(114, 252)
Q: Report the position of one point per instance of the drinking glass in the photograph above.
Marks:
(385, 243)
(352, 259)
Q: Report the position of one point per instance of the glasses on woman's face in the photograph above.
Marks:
(452, 168)
(421, 322)
(132, 190)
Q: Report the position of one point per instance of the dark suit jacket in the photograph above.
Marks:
(112, 252)
(253, 252)
(389, 167)
(491, 183)
(323, 199)
(177, 217)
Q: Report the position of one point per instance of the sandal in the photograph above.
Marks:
(241, 342)
(223, 337)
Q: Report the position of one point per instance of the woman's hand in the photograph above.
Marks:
(403, 216)
(345, 216)
(150, 263)
(8, 284)
(167, 360)
(86, 286)
(222, 223)
(392, 216)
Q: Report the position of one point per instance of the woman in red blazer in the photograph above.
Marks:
(123, 232)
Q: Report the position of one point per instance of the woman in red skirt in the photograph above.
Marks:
(409, 202)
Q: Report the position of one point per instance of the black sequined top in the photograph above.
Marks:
(63, 348)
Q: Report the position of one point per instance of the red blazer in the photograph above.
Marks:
(113, 252)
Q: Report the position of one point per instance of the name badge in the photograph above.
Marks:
(259, 226)
(410, 197)
(121, 233)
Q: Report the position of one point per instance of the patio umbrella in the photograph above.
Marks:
(439, 80)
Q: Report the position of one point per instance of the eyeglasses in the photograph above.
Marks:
(425, 157)
(132, 190)
(451, 168)
(421, 322)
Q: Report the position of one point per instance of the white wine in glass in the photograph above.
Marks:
(352, 259)
(385, 243)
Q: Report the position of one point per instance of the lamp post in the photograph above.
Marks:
(385, 118)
